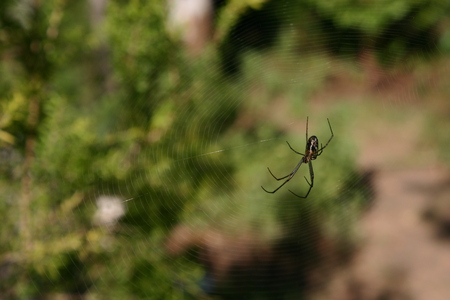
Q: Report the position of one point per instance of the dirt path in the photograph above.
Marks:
(400, 255)
(401, 252)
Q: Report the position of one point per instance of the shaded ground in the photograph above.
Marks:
(401, 256)
(405, 247)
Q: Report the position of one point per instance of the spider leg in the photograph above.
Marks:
(307, 181)
(319, 152)
(294, 150)
(332, 135)
(287, 180)
(277, 177)
(307, 129)
(311, 174)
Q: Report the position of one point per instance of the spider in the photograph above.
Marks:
(311, 153)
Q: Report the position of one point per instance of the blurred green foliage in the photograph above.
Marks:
(373, 17)
(121, 109)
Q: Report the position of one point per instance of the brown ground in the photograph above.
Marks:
(405, 236)
(405, 248)
(401, 256)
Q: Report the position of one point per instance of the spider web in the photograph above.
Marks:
(186, 217)
(252, 244)
(226, 236)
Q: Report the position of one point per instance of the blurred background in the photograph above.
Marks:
(135, 137)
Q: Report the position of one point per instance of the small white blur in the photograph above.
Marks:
(109, 210)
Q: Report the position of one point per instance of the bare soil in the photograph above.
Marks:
(401, 256)
(405, 236)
